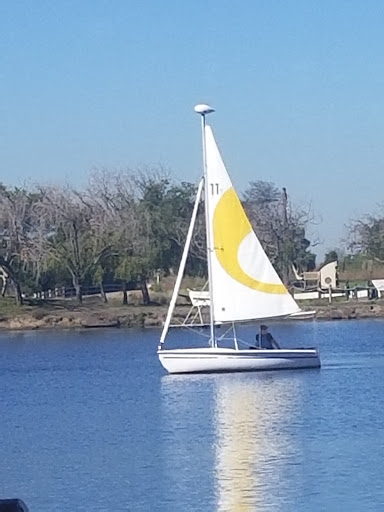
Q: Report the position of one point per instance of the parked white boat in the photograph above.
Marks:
(243, 285)
(200, 302)
(303, 315)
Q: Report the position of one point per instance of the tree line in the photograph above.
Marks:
(124, 227)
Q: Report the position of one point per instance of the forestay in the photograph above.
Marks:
(244, 283)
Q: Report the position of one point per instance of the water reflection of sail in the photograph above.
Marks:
(251, 444)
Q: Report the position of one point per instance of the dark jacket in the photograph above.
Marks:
(266, 340)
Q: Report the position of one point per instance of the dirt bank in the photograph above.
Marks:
(86, 317)
(101, 316)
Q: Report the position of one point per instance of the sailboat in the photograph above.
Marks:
(243, 285)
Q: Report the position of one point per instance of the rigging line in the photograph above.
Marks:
(183, 261)
(222, 336)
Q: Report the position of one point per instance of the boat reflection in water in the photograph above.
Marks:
(229, 440)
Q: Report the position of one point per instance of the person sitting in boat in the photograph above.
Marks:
(267, 340)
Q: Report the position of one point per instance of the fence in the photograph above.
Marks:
(355, 293)
(68, 292)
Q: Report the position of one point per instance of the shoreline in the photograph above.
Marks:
(106, 316)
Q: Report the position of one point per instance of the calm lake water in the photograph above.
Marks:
(90, 421)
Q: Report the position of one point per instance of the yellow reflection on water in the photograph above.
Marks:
(251, 416)
(248, 418)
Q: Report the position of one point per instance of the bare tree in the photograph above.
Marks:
(19, 240)
(115, 194)
(74, 232)
(280, 227)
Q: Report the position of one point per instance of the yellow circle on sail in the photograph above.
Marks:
(230, 227)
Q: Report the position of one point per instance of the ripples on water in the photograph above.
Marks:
(89, 420)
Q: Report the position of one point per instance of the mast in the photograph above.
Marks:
(203, 110)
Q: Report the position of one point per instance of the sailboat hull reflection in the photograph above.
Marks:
(204, 360)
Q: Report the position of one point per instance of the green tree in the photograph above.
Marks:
(366, 236)
(331, 256)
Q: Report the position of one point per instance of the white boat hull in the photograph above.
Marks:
(211, 360)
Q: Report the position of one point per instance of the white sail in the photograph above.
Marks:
(245, 285)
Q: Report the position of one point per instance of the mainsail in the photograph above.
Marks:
(244, 283)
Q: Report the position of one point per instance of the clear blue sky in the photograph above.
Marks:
(298, 87)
